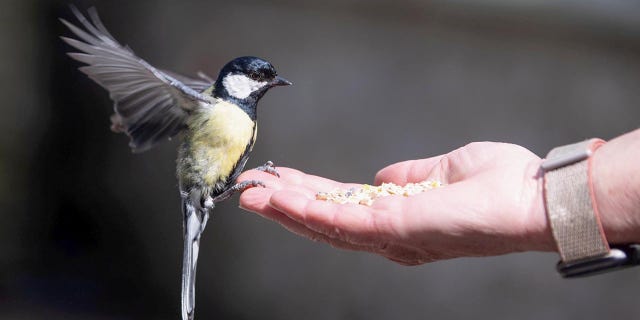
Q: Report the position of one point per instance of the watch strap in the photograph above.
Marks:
(571, 207)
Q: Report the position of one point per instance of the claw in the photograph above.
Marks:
(248, 184)
(240, 186)
(268, 167)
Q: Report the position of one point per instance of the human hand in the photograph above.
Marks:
(491, 204)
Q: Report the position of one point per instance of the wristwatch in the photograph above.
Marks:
(573, 214)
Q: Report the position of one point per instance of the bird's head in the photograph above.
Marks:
(247, 79)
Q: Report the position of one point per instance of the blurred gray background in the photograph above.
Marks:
(90, 231)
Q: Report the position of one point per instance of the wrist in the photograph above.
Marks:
(571, 200)
(616, 185)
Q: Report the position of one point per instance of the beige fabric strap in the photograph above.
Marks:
(570, 205)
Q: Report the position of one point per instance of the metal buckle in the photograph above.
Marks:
(619, 257)
(571, 154)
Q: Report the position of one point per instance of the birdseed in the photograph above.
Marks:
(366, 194)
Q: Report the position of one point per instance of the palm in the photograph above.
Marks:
(490, 201)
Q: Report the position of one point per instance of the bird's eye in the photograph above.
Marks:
(254, 76)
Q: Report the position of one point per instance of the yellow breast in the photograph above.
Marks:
(219, 136)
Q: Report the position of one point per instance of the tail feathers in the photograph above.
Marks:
(195, 220)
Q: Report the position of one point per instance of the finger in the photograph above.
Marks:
(404, 172)
(301, 230)
(313, 183)
(256, 200)
(351, 223)
(289, 178)
(409, 256)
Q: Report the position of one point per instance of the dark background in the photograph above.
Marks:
(91, 231)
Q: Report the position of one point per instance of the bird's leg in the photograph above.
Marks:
(268, 167)
(237, 187)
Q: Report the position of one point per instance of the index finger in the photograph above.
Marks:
(292, 179)
(356, 224)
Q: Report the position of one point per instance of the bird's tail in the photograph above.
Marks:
(195, 219)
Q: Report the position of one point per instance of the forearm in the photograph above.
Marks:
(616, 182)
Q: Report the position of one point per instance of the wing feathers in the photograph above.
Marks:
(150, 104)
(196, 84)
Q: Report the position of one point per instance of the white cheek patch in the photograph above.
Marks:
(240, 86)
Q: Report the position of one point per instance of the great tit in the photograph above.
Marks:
(218, 120)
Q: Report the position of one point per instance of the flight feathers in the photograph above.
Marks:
(151, 105)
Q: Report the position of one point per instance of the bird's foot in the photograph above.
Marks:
(240, 186)
(247, 184)
(268, 167)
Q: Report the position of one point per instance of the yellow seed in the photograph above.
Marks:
(366, 194)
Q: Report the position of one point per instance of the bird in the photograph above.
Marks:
(217, 119)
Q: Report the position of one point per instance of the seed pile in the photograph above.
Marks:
(366, 194)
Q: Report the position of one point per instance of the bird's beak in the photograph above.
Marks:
(280, 81)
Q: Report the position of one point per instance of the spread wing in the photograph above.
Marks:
(202, 83)
(150, 105)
